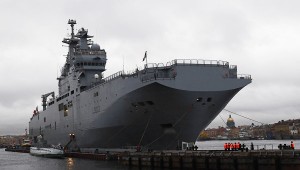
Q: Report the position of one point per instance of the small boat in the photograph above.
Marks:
(47, 152)
(26, 143)
(43, 150)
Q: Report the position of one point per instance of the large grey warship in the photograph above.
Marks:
(157, 106)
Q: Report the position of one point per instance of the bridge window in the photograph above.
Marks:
(65, 110)
(60, 106)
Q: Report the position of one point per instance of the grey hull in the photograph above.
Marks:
(154, 116)
(163, 117)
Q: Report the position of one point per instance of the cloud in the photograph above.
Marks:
(261, 37)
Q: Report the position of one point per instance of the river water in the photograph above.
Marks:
(24, 161)
(258, 144)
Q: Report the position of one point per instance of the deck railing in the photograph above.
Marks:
(244, 76)
(187, 62)
(199, 62)
(113, 76)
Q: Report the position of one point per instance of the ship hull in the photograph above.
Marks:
(156, 117)
(154, 112)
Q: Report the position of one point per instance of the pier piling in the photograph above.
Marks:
(206, 160)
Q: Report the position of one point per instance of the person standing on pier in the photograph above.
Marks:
(231, 146)
(292, 145)
(252, 146)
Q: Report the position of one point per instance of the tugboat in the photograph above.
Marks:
(26, 143)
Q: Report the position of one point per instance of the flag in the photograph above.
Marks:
(145, 56)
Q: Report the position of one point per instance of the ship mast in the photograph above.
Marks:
(72, 23)
(72, 43)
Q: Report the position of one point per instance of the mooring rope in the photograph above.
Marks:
(244, 117)
(223, 120)
(145, 128)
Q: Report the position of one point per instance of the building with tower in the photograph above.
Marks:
(230, 122)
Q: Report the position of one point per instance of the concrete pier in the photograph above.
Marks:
(215, 160)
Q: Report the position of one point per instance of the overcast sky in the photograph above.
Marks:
(261, 37)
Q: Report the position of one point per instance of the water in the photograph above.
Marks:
(258, 144)
(24, 161)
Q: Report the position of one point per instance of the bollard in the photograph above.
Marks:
(218, 163)
(206, 162)
(152, 162)
(194, 163)
(139, 162)
(161, 162)
(129, 162)
(170, 162)
(255, 163)
(235, 162)
(278, 163)
(180, 162)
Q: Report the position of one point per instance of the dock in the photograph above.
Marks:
(202, 159)
(215, 160)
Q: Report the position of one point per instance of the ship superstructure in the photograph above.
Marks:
(156, 107)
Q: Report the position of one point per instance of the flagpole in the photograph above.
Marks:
(146, 59)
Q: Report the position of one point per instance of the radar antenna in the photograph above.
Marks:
(72, 23)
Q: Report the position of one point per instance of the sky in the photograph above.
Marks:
(261, 37)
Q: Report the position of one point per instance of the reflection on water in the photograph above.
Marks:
(70, 163)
